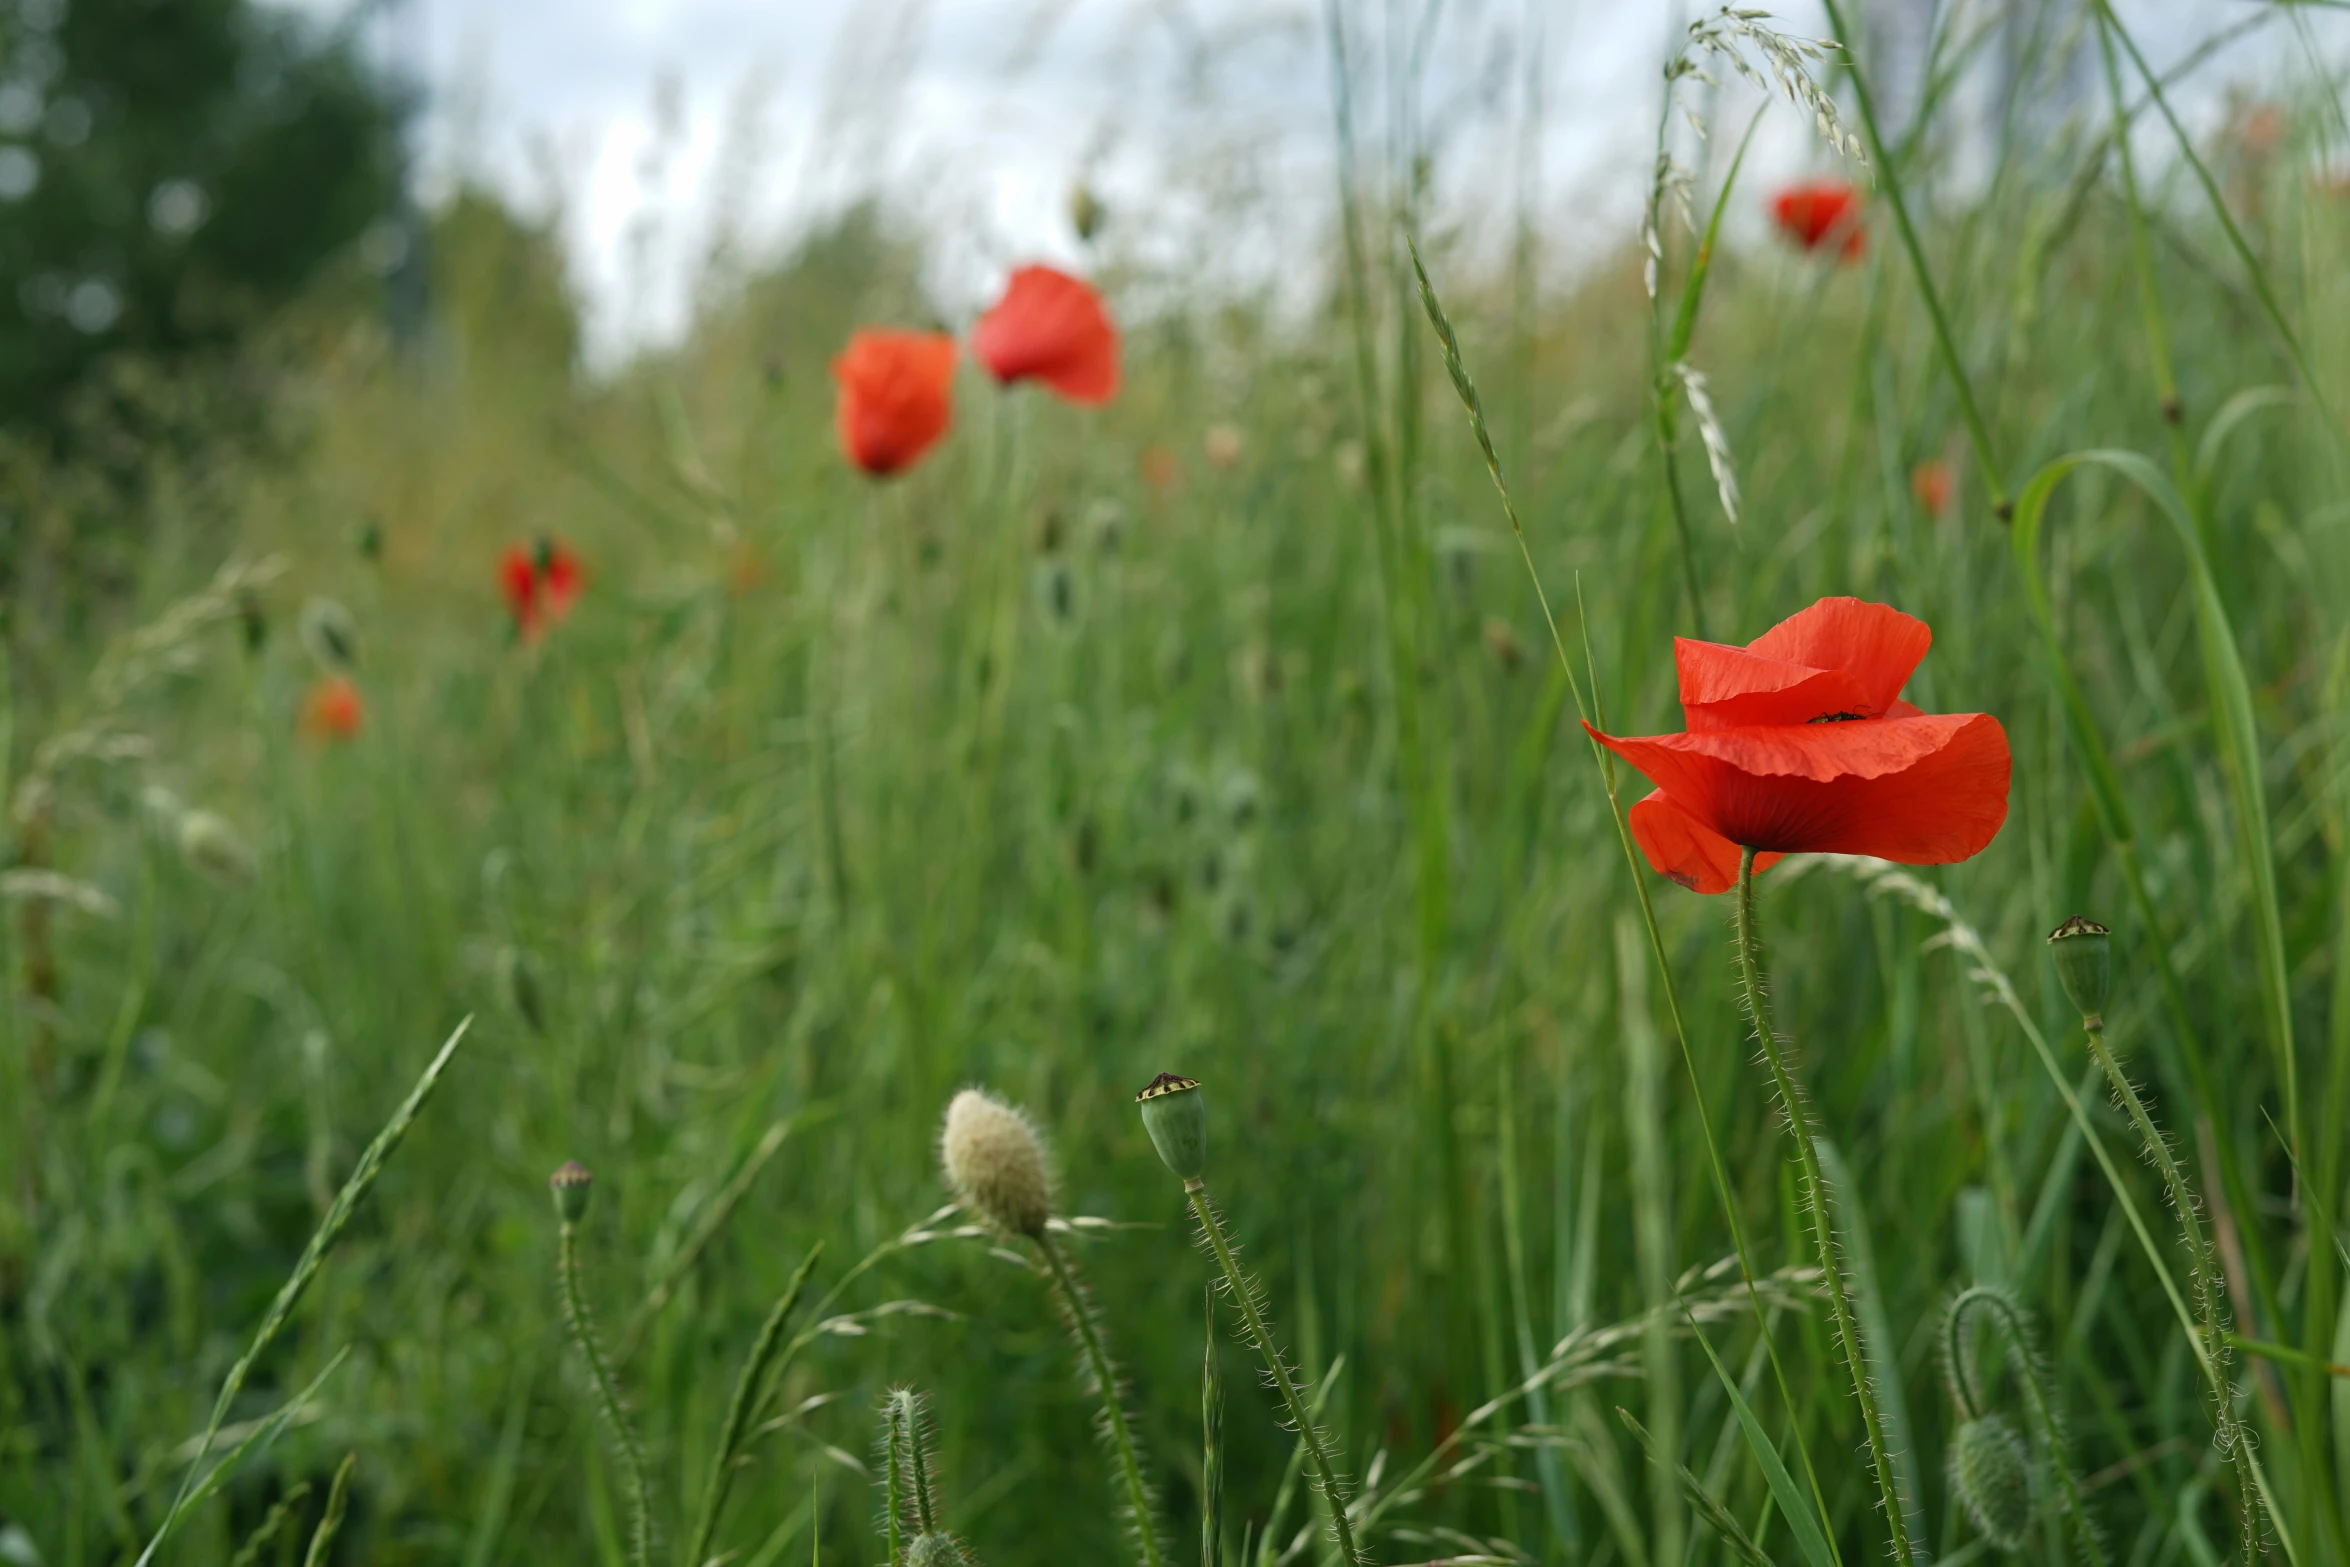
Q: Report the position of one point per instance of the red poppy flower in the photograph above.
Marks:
(518, 583)
(1051, 326)
(332, 710)
(1821, 212)
(1930, 481)
(894, 396)
(561, 578)
(1800, 742)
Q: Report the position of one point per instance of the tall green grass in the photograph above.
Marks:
(1035, 770)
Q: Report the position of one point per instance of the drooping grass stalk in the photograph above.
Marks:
(322, 1240)
(607, 1393)
(1604, 761)
(338, 1501)
(1248, 1298)
(707, 1228)
(2204, 1272)
(1978, 432)
(1078, 1307)
(750, 1393)
(1815, 1201)
(2319, 1286)
(1211, 1419)
(1966, 1383)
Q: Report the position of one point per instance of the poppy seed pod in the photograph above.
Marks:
(572, 1186)
(994, 1163)
(1991, 1470)
(2084, 964)
(1176, 1116)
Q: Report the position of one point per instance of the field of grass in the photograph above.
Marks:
(1218, 731)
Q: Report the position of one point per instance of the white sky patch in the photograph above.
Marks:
(663, 133)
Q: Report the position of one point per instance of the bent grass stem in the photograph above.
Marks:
(1244, 1296)
(1815, 1200)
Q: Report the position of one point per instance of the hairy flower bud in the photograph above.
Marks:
(1991, 1470)
(994, 1163)
(330, 635)
(572, 1186)
(212, 846)
(1176, 1116)
(935, 1550)
(2084, 964)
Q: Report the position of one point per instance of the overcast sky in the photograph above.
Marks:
(657, 129)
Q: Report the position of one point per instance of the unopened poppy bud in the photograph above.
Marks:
(572, 1186)
(1991, 1470)
(2084, 964)
(934, 1550)
(330, 634)
(1085, 211)
(994, 1163)
(212, 846)
(1176, 1116)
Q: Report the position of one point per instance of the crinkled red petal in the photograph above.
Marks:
(1681, 848)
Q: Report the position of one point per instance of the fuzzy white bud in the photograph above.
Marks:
(994, 1163)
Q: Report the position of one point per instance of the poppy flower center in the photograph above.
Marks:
(1837, 718)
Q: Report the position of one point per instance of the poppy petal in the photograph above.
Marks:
(1052, 327)
(1876, 644)
(895, 396)
(1928, 790)
(1729, 687)
(1681, 848)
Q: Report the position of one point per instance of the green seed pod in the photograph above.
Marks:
(2084, 964)
(572, 1186)
(1991, 1470)
(1176, 1116)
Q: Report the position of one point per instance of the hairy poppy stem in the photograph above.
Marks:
(1974, 1401)
(1293, 1404)
(1105, 1379)
(2203, 1266)
(607, 1389)
(1815, 1199)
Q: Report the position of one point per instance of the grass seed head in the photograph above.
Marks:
(994, 1163)
(2084, 964)
(1176, 1116)
(572, 1186)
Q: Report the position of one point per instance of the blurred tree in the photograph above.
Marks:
(169, 170)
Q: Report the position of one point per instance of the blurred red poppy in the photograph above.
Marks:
(894, 400)
(540, 584)
(1822, 212)
(1799, 742)
(332, 710)
(1052, 327)
(518, 583)
(1930, 481)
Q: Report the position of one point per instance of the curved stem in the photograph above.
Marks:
(2204, 1266)
(1106, 1384)
(2011, 1322)
(1284, 1382)
(1815, 1198)
(583, 1333)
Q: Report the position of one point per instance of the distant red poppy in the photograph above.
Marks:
(540, 584)
(894, 400)
(332, 709)
(1822, 212)
(1800, 742)
(1051, 326)
(1931, 481)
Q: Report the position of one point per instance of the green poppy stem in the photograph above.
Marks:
(1244, 1295)
(2211, 1314)
(1105, 1378)
(1815, 1200)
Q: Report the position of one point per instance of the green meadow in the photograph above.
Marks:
(1232, 730)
